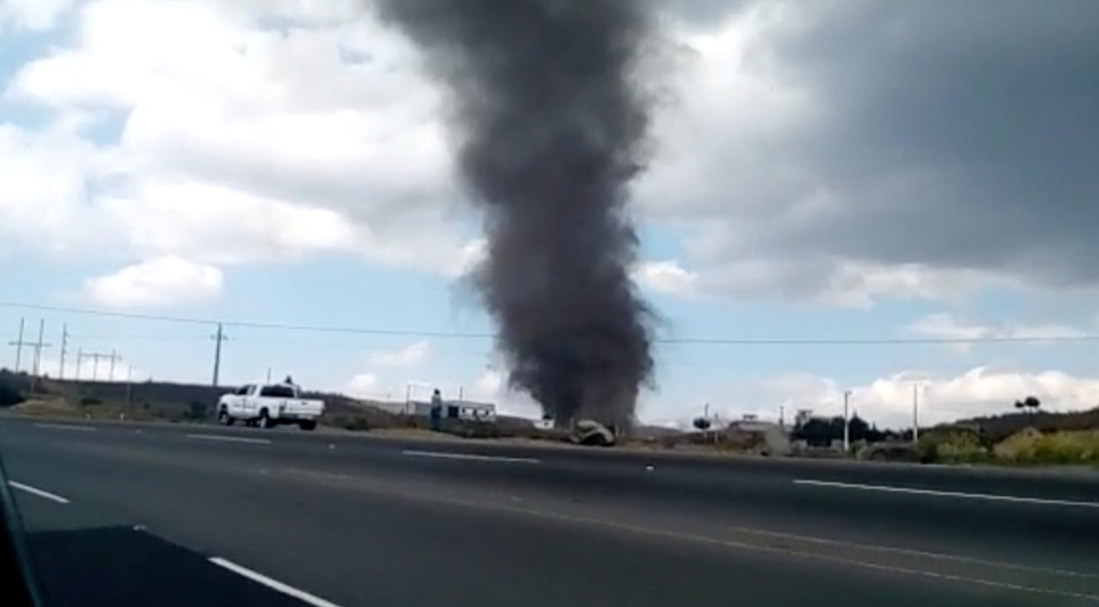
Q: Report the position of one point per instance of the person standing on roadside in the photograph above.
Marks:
(436, 410)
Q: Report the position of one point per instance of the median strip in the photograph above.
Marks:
(472, 457)
(230, 439)
(39, 492)
(953, 494)
(67, 427)
(271, 583)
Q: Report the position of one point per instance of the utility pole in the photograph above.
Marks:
(846, 422)
(79, 357)
(64, 350)
(915, 412)
(19, 343)
(38, 346)
(218, 338)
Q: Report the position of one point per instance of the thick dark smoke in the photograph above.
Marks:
(549, 122)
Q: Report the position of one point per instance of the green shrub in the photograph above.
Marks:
(952, 447)
(196, 411)
(356, 423)
(91, 401)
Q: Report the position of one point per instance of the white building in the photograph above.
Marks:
(454, 409)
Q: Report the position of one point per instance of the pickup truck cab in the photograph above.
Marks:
(268, 405)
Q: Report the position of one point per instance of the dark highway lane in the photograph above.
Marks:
(389, 522)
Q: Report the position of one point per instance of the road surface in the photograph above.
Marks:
(186, 515)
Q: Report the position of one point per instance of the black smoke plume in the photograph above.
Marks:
(549, 122)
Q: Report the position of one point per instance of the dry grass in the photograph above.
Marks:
(47, 408)
(1033, 447)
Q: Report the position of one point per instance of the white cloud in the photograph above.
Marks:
(33, 14)
(363, 385)
(666, 277)
(408, 356)
(491, 387)
(825, 281)
(887, 401)
(162, 281)
(801, 177)
(472, 254)
(947, 326)
(327, 122)
(258, 145)
(963, 334)
(490, 382)
(222, 225)
(43, 179)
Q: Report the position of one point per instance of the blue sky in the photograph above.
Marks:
(264, 179)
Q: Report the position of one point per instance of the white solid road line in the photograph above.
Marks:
(473, 457)
(230, 439)
(955, 494)
(39, 492)
(67, 427)
(301, 595)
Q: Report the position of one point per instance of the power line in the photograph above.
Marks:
(989, 339)
(249, 325)
(133, 337)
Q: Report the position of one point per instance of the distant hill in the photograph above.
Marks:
(162, 399)
(999, 427)
(196, 402)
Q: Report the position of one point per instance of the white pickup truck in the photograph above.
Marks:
(268, 405)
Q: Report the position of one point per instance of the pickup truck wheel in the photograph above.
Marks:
(264, 421)
(224, 418)
(308, 424)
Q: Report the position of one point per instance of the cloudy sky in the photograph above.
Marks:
(825, 172)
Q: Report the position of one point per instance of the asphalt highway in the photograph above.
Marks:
(121, 514)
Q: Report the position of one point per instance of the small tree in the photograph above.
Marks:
(702, 423)
(1032, 403)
